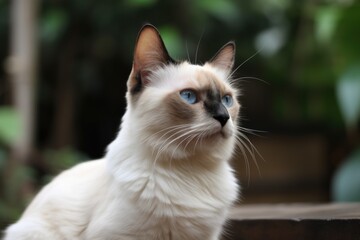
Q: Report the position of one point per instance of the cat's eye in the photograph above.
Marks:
(189, 96)
(227, 100)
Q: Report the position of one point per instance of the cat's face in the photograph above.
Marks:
(181, 109)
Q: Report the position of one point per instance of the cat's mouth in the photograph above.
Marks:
(218, 133)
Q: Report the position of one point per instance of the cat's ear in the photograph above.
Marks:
(150, 53)
(224, 59)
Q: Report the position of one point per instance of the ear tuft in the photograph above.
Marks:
(224, 59)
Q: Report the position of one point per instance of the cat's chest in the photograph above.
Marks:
(160, 208)
(170, 195)
(145, 227)
(143, 204)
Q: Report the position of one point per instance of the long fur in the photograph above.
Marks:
(165, 176)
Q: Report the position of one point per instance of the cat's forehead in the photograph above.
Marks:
(208, 81)
(201, 78)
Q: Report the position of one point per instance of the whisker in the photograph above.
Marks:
(196, 143)
(254, 149)
(168, 130)
(175, 130)
(198, 45)
(165, 144)
(251, 150)
(190, 138)
(233, 80)
(245, 146)
(240, 144)
(179, 144)
(250, 131)
(248, 59)
(188, 131)
(187, 51)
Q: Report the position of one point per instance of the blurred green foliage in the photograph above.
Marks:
(53, 26)
(10, 205)
(303, 46)
(9, 125)
(62, 159)
(307, 52)
(17, 179)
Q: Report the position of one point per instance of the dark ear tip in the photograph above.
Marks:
(148, 26)
(231, 44)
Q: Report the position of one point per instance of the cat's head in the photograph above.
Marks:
(177, 108)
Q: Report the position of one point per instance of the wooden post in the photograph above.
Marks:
(22, 68)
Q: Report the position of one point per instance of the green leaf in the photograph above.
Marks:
(18, 179)
(140, 3)
(326, 20)
(348, 94)
(53, 25)
(9, 212)
(3, 156)
(225, 10)
(172, 41)
(63, 158)
(9, 125)
(345, 42)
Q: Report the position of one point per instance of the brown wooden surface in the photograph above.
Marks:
(297, 211)
(295, 221)
(286, 173)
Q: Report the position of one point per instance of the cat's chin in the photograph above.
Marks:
(219, 133)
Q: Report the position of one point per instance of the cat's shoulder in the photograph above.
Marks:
(79, 175)
(84, 170)
(84, 167)
(72, 186)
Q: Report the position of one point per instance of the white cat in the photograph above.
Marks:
(166, 175)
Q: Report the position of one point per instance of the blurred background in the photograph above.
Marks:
(64, 66)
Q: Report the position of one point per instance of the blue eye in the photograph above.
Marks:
(227, 100)
(189, 96)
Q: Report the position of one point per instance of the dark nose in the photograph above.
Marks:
(221, 114)
(218, 111)
(222, 118)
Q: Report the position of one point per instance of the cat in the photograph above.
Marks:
(167, 173)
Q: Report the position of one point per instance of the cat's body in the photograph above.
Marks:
(166, 175)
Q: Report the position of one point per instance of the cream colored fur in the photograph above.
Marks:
(150, 185)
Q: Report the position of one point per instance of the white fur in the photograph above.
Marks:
(145, 187)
